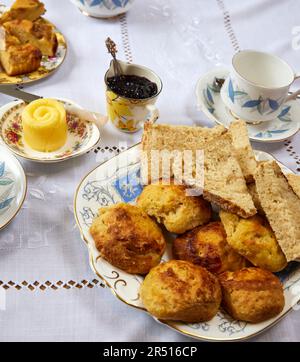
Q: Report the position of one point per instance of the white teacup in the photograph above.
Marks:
(258, 86)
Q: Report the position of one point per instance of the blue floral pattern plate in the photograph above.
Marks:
(118, 180)
(13, 186)
(209, 101)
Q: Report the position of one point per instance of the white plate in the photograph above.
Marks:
(13, 186)
(82, 136)
(117, 180)
(210, 102)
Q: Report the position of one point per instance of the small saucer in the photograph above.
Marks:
(82, 135)
(209, 100)
(13, 186)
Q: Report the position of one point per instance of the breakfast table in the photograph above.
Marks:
(48, 291)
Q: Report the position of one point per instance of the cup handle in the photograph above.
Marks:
(154, 113)
(294, 94)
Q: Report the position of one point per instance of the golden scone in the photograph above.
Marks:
(179, 290)
(207, 246)
(254, 239)
(173, 207)
(128, 238)
(251, 294)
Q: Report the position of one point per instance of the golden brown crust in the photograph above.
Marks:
(252, 294)
(172, 206)
(24, 9)
(179, 290)
(39, 34)
(20, 59)
(207, 246)
(254, 239)
(128, 238)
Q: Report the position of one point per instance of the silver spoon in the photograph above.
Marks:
(112, 49)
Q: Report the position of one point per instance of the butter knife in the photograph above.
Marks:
(15, 92)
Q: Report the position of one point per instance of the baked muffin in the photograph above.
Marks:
(251, 294)
(207, 246)
(128, 238)
(179, 290)
(174, 208)
(255, 240)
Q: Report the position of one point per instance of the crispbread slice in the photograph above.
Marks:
(294, 181)
(243, 150)
(253, 192)
(281, 206)
(224, 183)
(164, 137)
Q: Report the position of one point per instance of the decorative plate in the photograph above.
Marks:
(209, 100)
(13, 186)
(48, 64)
(82, 135)
(117, 180)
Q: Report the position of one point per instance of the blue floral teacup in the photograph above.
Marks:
(257, 86)
(103, 8)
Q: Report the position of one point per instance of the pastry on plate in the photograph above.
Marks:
(179, 290)
(24, 9)
(242, 148)
(254, 239)
(207, 246)
(20, 59)
(251, 294)
(128, 238)
(39, 34)
(172, 206)
(281, 206)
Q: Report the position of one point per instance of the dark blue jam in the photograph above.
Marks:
(132, 86)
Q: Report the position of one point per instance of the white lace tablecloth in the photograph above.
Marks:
(48, 291)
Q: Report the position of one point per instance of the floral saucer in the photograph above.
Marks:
(13, 186)
(82, 135)
(209, 100)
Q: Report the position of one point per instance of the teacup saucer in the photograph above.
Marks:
(82, 136)
(209, 100)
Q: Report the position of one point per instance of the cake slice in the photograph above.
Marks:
(243, 150)
(281, 206)
(224, 183)
(24, 9)
(294, 181)
(20, 59)
(39, 34)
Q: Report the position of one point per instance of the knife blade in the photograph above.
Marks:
(13, 91)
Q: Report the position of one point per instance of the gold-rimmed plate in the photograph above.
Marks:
(81, 138)
(48, 64)
(13, 186)
(117, 180)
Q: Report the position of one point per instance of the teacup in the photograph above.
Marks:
(129, 114)
(257, 86)
(103, 8)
